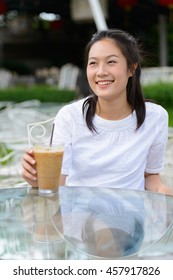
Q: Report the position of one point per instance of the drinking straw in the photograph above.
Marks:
(51, 137)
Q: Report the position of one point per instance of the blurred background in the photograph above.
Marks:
(40, 38)
(45, 33)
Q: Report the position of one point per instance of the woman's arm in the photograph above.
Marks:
(154, 183)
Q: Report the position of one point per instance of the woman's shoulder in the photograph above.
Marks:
(74, 104)
(71, 109)
(155, 109)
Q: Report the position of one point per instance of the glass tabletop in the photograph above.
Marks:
(85, 223)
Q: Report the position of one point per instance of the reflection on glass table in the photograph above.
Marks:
(85, 223)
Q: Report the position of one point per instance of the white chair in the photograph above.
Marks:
(68, 76)
(14, 123)
(13, 138)
(5, 78)
(39, 131)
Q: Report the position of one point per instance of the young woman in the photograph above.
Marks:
(113, 137)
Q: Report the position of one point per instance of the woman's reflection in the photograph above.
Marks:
(103, 225)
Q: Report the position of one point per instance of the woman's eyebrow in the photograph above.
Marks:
(109, 56)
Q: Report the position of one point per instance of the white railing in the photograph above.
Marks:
(156, 74)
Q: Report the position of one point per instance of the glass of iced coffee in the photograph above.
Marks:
(48, 165)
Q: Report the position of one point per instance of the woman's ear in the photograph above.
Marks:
(133, 68)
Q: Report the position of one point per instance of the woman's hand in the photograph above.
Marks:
(29, 169)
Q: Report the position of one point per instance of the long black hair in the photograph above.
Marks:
(131, 50)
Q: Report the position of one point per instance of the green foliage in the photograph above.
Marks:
(170, 113)
(41, 92)
(4, 151)
(161, 93)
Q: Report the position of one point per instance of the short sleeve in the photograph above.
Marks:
(63, 133)
(156, 155)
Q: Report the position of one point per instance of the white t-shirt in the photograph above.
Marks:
(116, 155)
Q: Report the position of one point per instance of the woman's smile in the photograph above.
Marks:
(104, 83)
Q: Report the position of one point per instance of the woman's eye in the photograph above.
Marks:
(92, 63)
(111, 61)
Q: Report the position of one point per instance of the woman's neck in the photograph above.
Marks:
(113, 110)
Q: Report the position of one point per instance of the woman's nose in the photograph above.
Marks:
(102, 70)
